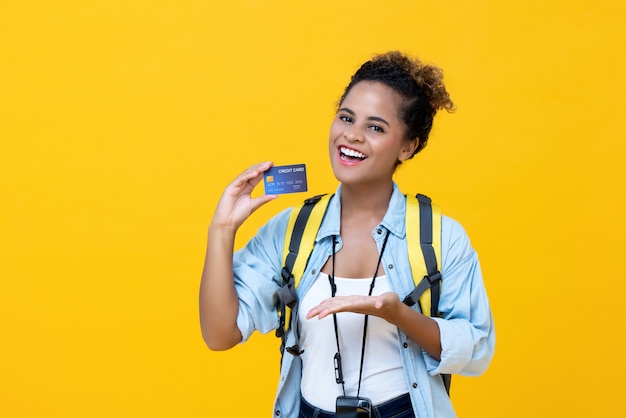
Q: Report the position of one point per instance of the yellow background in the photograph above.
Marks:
(122, 121)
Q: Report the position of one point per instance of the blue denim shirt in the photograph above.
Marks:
(467, 331)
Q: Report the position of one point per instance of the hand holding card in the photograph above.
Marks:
(285, 179)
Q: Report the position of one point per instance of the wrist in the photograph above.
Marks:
(222, 229)
(395, 312)
(222, 235)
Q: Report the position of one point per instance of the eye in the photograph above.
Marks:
(377, 128)
(345, 118)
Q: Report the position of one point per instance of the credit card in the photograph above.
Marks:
(285, 179)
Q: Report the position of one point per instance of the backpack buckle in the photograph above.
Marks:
(434, 277)
(408, 300)
(294, 350)
(313, 200)
(288, 295)
(286, 275)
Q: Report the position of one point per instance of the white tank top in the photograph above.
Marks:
(383, 376)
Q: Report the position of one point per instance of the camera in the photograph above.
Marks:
(353, 407)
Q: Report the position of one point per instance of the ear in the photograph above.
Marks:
(408, 148)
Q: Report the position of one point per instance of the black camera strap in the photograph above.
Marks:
(333, 290)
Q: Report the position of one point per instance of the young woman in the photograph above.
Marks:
(383, 119)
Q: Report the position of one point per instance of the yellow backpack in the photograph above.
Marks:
(423, 227)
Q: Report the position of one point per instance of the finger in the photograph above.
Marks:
(316, 311)
(328, 307)
(257, 170)
(312, 313)
(252, 175)
(261, 200)
(253, 181)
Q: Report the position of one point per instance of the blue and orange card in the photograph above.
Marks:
(285, 179)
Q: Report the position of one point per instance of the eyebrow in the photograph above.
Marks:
(373, 118)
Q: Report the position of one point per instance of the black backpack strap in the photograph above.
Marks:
(432, 280)
(287, 296)
(434, 276)
(426, 242)
(287, 293)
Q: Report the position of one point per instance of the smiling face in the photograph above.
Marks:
(368, 136)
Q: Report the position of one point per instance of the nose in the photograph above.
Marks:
(352, 134)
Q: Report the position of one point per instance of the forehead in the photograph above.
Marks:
(373, 98)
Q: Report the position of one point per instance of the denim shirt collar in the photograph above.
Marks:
(393, 220)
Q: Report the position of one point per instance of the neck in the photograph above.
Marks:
(366, 200)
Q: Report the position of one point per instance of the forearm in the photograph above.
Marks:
(218, 298)
(423, 330)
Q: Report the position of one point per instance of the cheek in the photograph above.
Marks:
(334, 133)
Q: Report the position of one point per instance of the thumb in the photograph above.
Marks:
(261, 200)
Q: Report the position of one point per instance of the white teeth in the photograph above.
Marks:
(352, 153)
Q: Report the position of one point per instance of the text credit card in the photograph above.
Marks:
(285, 179)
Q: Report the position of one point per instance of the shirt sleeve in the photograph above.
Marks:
(466, 327)
(256, 270)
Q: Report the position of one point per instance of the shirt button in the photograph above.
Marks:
(405, 345)
(313, 271)
(379, 231)
(277, 413)
(414, 385)
(390, 266)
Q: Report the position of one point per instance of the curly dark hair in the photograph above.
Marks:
(421, 85)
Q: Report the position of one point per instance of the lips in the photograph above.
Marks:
(350, 155)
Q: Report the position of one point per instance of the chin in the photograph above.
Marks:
(349, 178)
